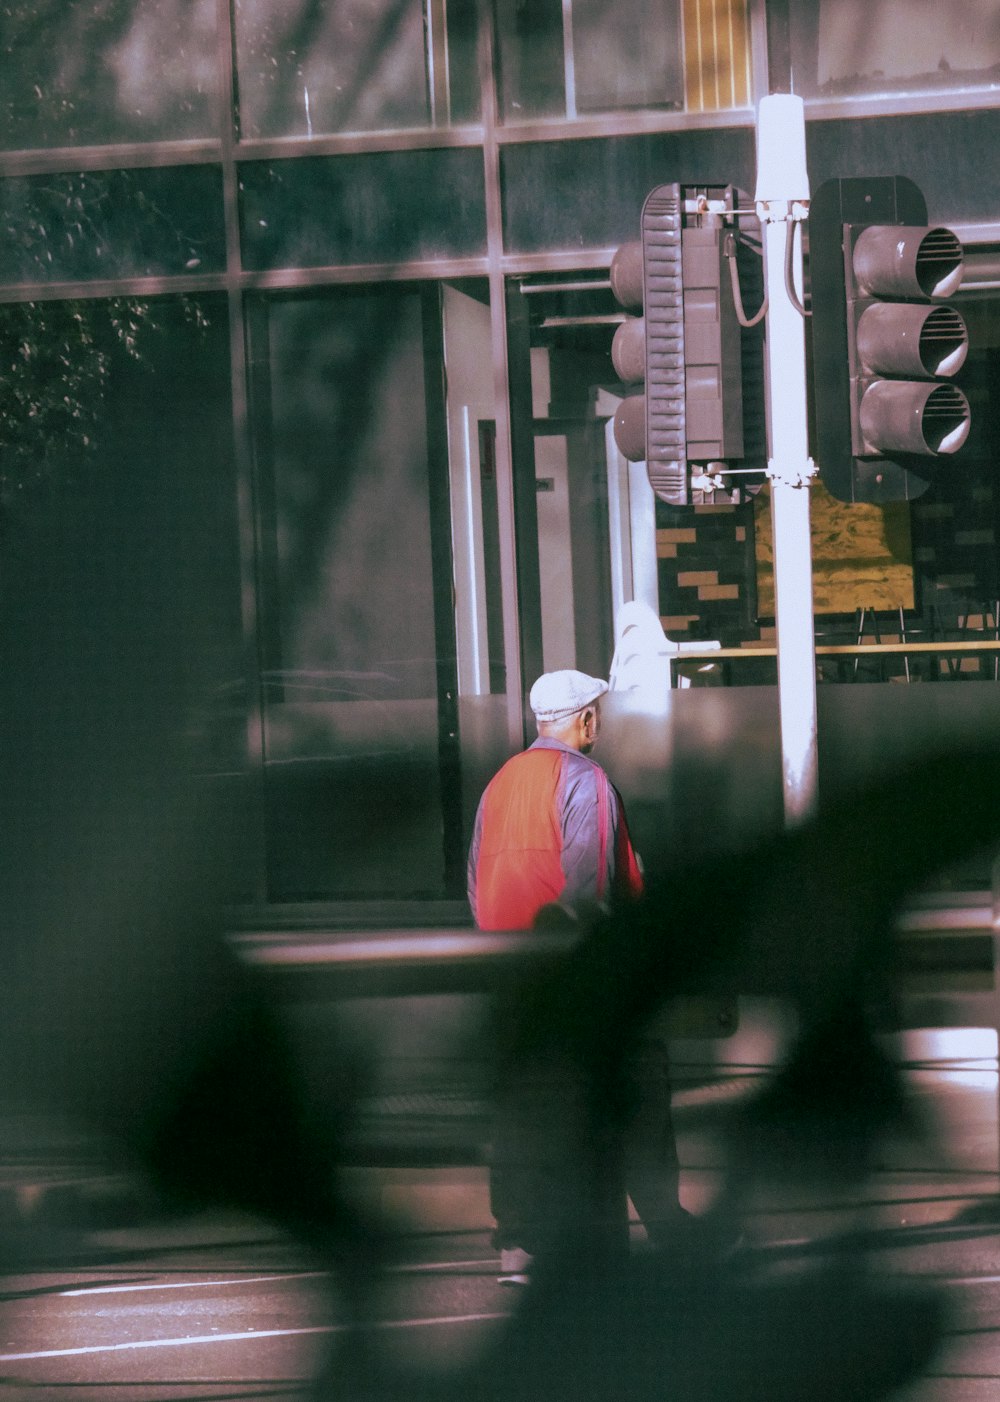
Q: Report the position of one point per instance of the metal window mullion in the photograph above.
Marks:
(291, 278)
(247, 494)
(443, 586)
(606, 125)
(509, 592)
(101, 288)
(128, 155)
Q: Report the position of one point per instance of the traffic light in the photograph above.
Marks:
(885, 344)
(685, 358)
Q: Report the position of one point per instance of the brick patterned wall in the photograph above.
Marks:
(708, 570)
(956, 523)
(705, 558)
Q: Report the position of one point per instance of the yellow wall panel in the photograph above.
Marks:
(716, 54)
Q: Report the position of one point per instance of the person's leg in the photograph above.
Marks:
(556, 1179)
(526, 1163)
(652, 1168)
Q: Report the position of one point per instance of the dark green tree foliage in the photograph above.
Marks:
(57, 369)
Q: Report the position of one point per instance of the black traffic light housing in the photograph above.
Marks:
(884, 344)
(689, 363)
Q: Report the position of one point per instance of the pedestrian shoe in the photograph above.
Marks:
(684, 1232)
(514, 1266)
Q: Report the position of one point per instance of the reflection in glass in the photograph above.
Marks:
(561, 59)
(588, 194)
(474, 499)
(594, 511)
(382, 207)
(79, 73)
(345, 415)
(116, 451)
(111, 223)
(843, 48)
(308, 68)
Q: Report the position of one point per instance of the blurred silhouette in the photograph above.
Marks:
(121, 1001)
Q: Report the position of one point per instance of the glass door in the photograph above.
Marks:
(356, 617)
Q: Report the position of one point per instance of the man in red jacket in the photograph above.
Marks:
(551, 832)
(551, 827)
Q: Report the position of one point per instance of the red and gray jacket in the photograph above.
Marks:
(550, 827)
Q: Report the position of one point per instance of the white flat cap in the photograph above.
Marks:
(556, 696)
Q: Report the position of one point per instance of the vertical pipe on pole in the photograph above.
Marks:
(782, 200)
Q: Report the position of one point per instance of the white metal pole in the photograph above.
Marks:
(782, 201)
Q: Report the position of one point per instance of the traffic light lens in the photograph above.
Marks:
(944, 341)
(946, 419)
(904, 416)
(939, 263)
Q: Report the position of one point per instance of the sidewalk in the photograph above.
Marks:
(53, 1177)
(457, 1200)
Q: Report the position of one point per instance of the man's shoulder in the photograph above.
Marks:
(536, 756)
(546, 745)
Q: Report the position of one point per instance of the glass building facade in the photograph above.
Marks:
(337, 271)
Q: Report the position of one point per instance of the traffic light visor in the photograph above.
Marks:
(909, 339)
(892, 260)
(904, 416)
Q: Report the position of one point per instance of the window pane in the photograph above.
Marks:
(352, 736)
(941, 152)
(310, 69)
(589, 194)
(845, 48)
(567, 58)
(626, 55)
(386, 207)
(106, 224)
(558, 60)
(532, 58)
(81, 73)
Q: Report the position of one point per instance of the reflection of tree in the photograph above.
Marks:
(315, 67)
(352, 469)
(333, 67)
(56, 363)
(110, 223)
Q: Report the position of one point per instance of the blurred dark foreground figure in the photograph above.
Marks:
(121, 1001)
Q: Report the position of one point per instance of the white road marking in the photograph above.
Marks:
(414, 1269)
(244, 1337)
(188, 1284)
